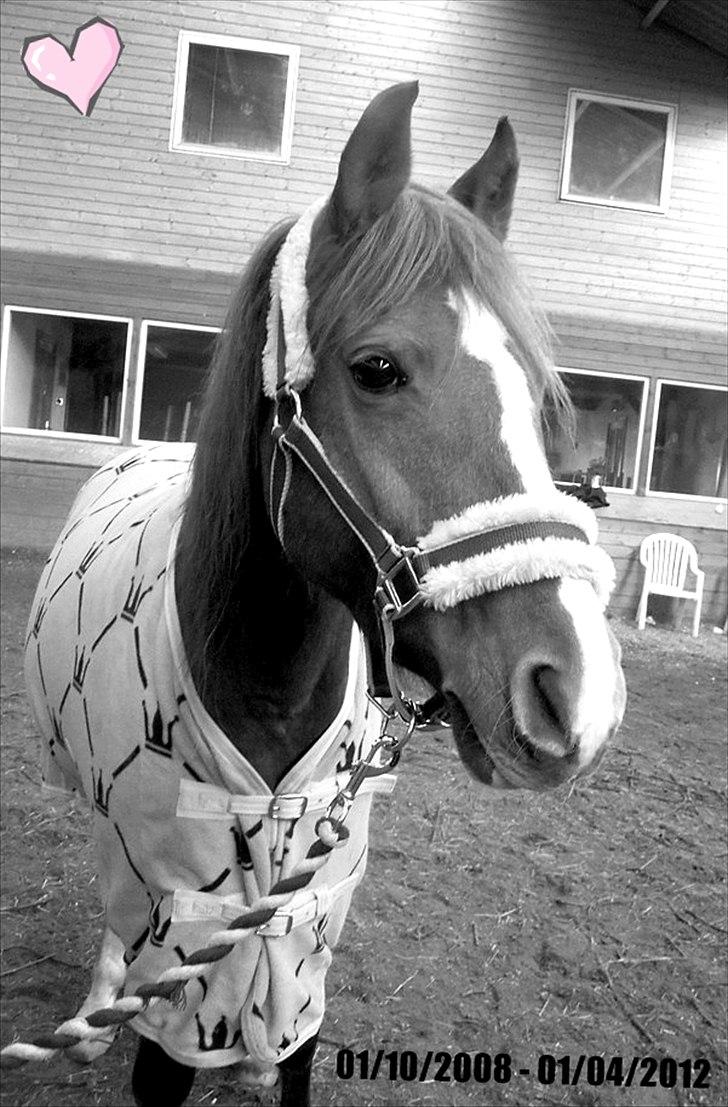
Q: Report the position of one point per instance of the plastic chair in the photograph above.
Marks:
(666, 559)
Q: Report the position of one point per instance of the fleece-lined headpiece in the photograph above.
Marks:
(289, 303)
(501, 564)
(520, 562)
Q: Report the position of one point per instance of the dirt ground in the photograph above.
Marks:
(588, 921)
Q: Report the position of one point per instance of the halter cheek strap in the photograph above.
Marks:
(514, 540)
(469, 555)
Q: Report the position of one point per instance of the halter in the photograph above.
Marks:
(487, 547)
(492, 545)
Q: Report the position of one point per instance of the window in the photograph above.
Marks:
(690, 438)
(608, 433)
(234, 97)
(63, 372)
(173, 360)
(617, 152)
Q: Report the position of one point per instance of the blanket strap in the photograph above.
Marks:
(331, 834)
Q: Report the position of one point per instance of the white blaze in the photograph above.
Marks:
(483, 337)
(598, 703)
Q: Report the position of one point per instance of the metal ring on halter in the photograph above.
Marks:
(285, 392)
(406, 708)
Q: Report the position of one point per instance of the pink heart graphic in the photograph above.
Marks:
(80, 73)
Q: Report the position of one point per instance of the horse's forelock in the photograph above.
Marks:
(424, 239)
(427, 238)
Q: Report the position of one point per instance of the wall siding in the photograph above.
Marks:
(100, 216)
(109, 183)
(621, 539)
(131, 289)
(51, 489)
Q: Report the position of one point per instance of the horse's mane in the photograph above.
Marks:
(423, 237)
(217, 514)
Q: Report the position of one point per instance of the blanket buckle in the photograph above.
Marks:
(287, 805)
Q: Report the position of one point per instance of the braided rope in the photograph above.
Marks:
(171, 983)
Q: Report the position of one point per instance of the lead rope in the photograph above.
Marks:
(331, 834)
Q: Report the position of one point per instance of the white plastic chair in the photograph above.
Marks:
(666, 559)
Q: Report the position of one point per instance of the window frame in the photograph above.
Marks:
(141, 369)
(645, 381)
(649, 491)
(37, 432)
(232, 42)
(661, 107)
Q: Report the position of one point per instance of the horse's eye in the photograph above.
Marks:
(377, 374)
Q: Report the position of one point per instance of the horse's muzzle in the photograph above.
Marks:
(506, 758)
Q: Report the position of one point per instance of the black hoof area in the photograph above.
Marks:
(157, 1080)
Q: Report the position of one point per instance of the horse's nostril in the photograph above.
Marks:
(549, 695)
(541, 705)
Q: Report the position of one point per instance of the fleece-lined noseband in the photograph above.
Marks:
(492, 545)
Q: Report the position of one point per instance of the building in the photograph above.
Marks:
(123, 231)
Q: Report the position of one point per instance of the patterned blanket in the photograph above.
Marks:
(187, 831)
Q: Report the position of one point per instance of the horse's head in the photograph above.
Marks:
(423, 372)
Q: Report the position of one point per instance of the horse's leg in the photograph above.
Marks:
(107, 982)
(157, 1080)
(296, 1075)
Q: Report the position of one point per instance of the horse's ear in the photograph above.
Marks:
(375, 164)
(488, 186)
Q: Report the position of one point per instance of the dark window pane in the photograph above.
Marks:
(235, 98)
(64, 374)
(175, 365)
(618, 153)
(606, 434)
(690, 442)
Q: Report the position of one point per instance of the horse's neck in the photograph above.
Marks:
(280, 676)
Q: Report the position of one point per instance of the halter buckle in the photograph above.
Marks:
(398, 589)
(285, 394)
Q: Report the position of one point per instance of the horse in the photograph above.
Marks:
(369, 528)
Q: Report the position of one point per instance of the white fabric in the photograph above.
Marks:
(519, 562)
(289, 300)
(508, 511)
(121, 720)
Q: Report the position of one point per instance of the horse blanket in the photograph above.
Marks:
(187, 831)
